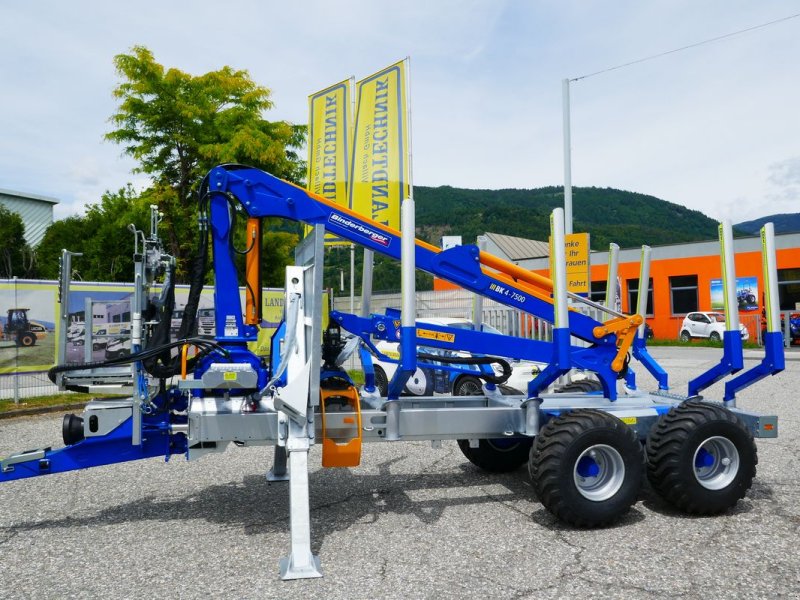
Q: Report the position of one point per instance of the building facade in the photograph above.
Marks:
(36, 212)
(687, 277)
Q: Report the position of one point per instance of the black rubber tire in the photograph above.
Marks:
(581, 386)
(671, 448)
(26, 339)
(554, 458)
(381, 381)
(468, 385)
(714, 336)
(498, 456)
(686, 336)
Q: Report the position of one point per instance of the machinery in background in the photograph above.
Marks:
(19, 330)
(584, 446)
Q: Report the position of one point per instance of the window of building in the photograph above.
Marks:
(683, 294)
(598, 291)
(789, 288)
(633, 296)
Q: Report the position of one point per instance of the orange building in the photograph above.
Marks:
(686, 278)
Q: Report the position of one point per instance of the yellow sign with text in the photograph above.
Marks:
(576, 249)
(380, 166)
(272, 315)
(329, 146)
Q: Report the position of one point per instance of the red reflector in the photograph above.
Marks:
(769, 427)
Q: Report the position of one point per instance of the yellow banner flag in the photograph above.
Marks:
(381, 163)
(329, 145)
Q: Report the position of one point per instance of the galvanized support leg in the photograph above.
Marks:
(278, 471)
(301, 563)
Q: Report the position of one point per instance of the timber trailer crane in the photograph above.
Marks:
(584, 449)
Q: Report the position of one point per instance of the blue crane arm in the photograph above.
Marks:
(264, 195)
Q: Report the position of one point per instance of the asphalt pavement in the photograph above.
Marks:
(412, 522)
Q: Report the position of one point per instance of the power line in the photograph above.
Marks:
(708, 41)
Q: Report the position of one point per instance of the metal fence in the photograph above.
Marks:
(18, 386)
(455, 303)
(459, 304)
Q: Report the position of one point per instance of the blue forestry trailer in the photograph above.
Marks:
(587, 448)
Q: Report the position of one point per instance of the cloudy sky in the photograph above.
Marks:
(715, 128)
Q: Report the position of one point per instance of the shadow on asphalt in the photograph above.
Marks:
(341, 498)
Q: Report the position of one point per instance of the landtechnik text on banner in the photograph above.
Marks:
(330, 145)
(380, 166)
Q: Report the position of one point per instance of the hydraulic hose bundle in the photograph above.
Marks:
(204, 346)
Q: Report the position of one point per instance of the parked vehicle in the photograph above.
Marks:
(462, 382)
(206, 322)
(119, 345)
(19, 330)
(175, 322)
(76, 334)
(708, 325)
(794, 326)
(100, 339)
(746, 299)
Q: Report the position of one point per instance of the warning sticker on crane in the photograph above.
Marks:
(439, 336)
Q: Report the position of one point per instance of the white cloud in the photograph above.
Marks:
(710, 128)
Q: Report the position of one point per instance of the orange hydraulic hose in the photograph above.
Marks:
(184, 354)
(515, 271)
(252, 293)
(519, 285)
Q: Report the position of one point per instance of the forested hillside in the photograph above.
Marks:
(784, 223)
(610, 215)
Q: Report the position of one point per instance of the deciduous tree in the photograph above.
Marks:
(13, 249)
(178, 126)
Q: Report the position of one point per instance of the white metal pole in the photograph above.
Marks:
(408, 266)
(408, 116)
(771, 307)
(611, 282)
(644, 290)
(352, 277)
(729, 276)
(477, 299)
(366, 281)
(559, 270)
(567, 159)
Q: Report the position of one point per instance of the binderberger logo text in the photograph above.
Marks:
(360, 230)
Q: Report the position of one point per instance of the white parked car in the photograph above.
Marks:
(710, 325)
(463, 382)
(119, 345)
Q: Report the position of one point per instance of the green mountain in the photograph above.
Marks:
(610, 215)
(784, 223)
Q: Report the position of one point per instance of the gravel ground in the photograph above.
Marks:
(412, 522)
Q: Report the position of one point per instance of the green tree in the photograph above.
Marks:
(178, 126)
(14, 251)
(101, 235)
(67, 234)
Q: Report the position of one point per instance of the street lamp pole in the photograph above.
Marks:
(567, 159)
